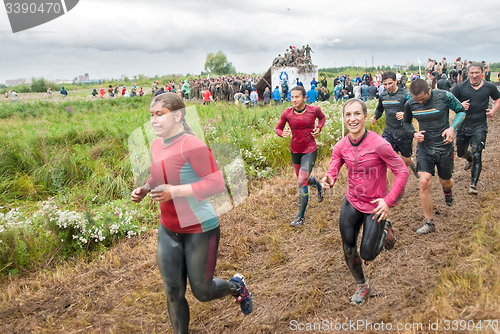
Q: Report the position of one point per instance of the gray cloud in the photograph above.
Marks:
(110, 38)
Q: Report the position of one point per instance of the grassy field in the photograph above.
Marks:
(75, 152)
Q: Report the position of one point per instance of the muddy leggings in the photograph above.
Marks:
(476, 138)
(194, 255)
(303, 164)
(351, 221)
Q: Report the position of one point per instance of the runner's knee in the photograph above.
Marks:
(303, 178)
(202, 292)
(349, 251)
(476, 155)
(476, 151)
(425, 182)
(174, 292)
(366, 253)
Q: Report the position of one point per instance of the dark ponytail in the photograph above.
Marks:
(185, 124)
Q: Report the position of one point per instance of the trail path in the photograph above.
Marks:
(294, 274)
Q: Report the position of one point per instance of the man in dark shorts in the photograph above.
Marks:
(392, 101)
(431, 108)
(475, 94)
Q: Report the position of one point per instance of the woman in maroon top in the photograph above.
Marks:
(302, 121)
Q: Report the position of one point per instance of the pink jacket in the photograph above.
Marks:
(367, 169)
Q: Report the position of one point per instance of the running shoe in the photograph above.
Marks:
(297, 221)
(468, 164)
(245, 298)
(448, 198)
(361, 294)
(427, 228)
(321, 194)
(390, 239)
(414, 170)
(473, 190)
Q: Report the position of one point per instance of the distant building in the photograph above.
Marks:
(15, 82)
(82, 78)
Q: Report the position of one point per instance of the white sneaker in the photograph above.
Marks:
(473, 190)
(427, 228)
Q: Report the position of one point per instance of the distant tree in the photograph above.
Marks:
(23, 88)
(38, 85)
(217, 63)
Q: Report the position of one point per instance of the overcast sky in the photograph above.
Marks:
(110, 38)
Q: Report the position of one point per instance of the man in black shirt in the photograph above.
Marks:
(431, 108)
(444, 83)
(475, 94)
(392, 100)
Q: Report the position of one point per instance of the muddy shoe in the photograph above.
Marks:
(427, 228)
(473, 190)
(448, 198)
(468, 165)
(297, 221)
(321, 194)
(244, 298)
(361, 294)
(390, 239)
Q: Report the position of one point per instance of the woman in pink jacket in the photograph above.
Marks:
(366, 155)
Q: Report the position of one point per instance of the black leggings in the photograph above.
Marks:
(303, 164)
(477, 139)
(351, 221)
(193, 255)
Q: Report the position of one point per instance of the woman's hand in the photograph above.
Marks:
(327, 181)
(382, 209)
(161, 194)
(139, 193)
(285, 133)
(315, 133)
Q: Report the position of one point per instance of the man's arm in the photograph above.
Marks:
(495, 95)
(457, 107)
(407, 119)
(492, 111)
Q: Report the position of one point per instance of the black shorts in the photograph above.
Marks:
(436, 156)
(305, 160)
(401, 141)
(476, 137)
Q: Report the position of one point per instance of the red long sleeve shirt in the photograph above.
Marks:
(301, 125)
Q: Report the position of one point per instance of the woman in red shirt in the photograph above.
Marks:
(302, 121)
(183, 176)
